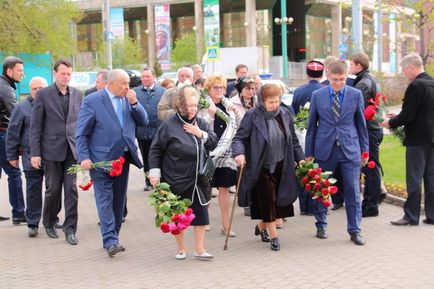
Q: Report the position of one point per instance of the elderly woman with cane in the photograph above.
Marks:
(266, 145)
(175, 157)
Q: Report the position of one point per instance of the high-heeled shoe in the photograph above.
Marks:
(275, 244)
(264, 234)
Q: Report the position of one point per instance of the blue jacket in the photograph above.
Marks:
(323, 130)
(99, 134)
(17, 137)
(303, 94)
(151, 106)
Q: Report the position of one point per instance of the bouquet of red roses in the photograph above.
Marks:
(375, 108)
(317, 183)
(114, 169)
(173, 214)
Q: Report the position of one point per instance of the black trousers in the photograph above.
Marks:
(372, 191)
(55, 176)
(144, 146)
(419, 165)
(34, 180)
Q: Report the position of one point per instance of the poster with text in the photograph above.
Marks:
(162, 35)
(117, 22)
(211, 15)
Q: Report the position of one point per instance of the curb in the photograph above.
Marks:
(398, 201)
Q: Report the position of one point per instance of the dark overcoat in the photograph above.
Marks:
(251, 140)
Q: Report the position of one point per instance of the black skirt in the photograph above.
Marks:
(224, 177)
(264, 197)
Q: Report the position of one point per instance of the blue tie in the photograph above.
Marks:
(119, 110)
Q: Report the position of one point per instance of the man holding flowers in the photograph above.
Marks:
(106, 131)
(336, 137)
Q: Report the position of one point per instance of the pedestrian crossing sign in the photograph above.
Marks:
(212, 53)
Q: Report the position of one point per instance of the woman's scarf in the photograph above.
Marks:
(276, 140)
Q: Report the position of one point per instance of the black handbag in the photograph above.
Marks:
(206, 168)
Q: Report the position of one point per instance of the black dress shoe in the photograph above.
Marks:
(148, 188)
(383, 196)
(51, 232)
(3, 218)
(403, 222)
(71, 239)
(321, 233)
(264, 234)
(369, 214)
(428, 221)
(337, 206)
(18, 220)
(357, 239)
(33, 232)
(275, 244)
(113, 250)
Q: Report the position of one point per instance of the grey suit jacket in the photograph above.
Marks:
(51, 131)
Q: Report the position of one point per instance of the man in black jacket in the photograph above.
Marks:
(365, 82)
(13, 72)
(417, 117)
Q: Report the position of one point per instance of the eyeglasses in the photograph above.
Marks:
(218, 88)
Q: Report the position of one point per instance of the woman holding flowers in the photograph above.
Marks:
(265, 144)
(174, 158)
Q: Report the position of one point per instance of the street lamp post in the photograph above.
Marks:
(284, 21)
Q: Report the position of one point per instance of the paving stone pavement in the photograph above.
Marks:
(393, 257)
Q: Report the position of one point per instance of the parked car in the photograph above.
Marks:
(134, 77)
(289, 91)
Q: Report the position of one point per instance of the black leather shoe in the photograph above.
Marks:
(428, 221)
(357, 239)
(113, 250)
(264, 234)
(275, 244)
(383, 196)
(321, 233)
(148, 188)
(18, 220)
(369, 214)
(403, 222)
(51, 232)
(71, 239)
(33, 232)
(337, 206)
(4, 218)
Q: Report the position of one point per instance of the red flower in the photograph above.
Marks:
(317, 178)
(116, 169)
(317, 186)
(326, 183)
(365, 155)
(304, 180)
(326, 203)
(333, 190)
(122, 160)
(176, 218)
(319, 199)
(370, 112)
(377, 102)
(165, 228)
(86, 186)
(318, 170)
(383, 98)
(307, 187)
(311, 173)
(189, 211)
(176, 231)
(371, 164)
(325, 192)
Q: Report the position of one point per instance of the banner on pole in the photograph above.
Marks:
(162, 35)
(212, 22)
(117, 23)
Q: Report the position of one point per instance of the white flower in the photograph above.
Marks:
(307, 105)
(186, 82)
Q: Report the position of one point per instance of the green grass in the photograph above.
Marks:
(392, 158)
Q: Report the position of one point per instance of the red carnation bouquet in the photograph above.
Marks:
(113, 168)
(317, 183)
(173, 214)
(374, 111)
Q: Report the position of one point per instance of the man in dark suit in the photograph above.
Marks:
(336, 137)
(114, 112)
(302, 95)
(52, 145)
(149, 95)
(366, 83)
(417, 117)
(17, 142)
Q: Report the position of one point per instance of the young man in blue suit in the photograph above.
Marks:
(106, 131)
(336, 137)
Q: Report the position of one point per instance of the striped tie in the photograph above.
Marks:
(336, 106)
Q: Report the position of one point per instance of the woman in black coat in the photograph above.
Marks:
(174, 156)
(266, 145)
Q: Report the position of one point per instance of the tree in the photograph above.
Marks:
(126, 52)
(184, 52)
(38, 26)
(422, 18)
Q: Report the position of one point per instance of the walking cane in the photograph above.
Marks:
(233, 207)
